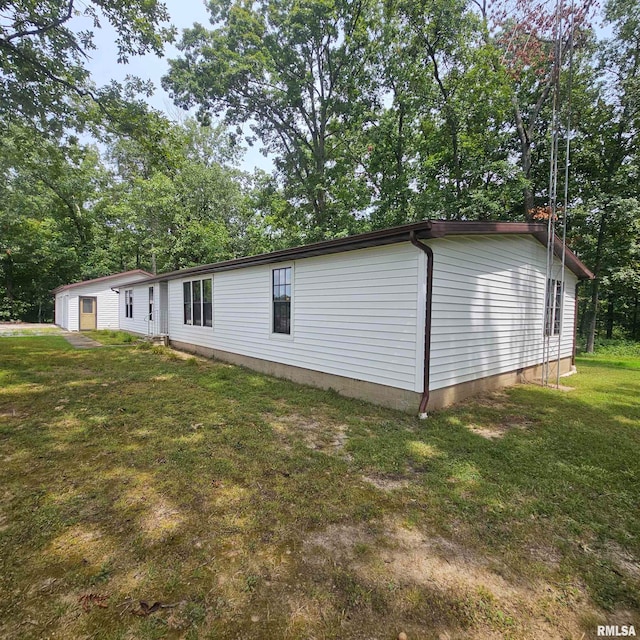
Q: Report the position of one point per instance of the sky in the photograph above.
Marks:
(104, 67)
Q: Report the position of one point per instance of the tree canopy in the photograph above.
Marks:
(374, 113)
(44, 46)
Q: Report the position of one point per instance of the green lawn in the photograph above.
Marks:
(110, 337)
(250, 507)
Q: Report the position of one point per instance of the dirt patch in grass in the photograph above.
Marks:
(180, 355)
(624, 560)
(483, 598)
(545, 554)
(10, 412)
(318, 435)
(387, 482)
(493, 400)
(500, 429)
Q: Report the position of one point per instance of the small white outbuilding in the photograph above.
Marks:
(92, 304)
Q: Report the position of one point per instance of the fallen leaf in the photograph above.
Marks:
(89, 600)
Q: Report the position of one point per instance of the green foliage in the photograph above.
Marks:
(48, 190)
(298, 74)
(65, 215)
(44, 45)
(617, 348)
(375, 114)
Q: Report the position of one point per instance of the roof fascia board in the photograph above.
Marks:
(64, 287)
(424, 230)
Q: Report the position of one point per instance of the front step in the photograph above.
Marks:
(162, 340)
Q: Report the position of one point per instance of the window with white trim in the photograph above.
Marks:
(197, 298)
(128, 303)
(281, 297)
(151, 304)
(207, 302)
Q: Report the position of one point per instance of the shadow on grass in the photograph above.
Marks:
(198, 484)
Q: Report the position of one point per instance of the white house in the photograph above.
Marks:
(92, 304)
(419, 315)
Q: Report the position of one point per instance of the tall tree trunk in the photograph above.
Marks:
(610, 317)
(595, 286)
(526, 133)
(525, 158)
(400, 178)
(593, 315)
(583, 318)
(529, 202)
(452, 124)
(8, 282)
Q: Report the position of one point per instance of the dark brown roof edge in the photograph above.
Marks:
(425, 230)
(64, 287)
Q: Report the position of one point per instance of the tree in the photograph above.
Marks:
(606, 165)
(190, 211)
(46, 218)
(297, 74)
(44, 45)
(535, 39)
(446, 143)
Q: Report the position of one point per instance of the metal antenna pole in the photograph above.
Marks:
(549, 300)
(566, 181)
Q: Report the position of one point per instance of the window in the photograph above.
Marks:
(196, 288)
(87, 305)
(150, 303)
(554, 308)
(128, 303)
(198, 302)
(186, 294)
(282, 300)
(207, 302)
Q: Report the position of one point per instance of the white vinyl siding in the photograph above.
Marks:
(67, 301)
(139, 323)
(62, 310)
(358, 314)
(488, 307)
(73, 317)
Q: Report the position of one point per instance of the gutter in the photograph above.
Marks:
(422, 411)
(575, 326)
(425, 230)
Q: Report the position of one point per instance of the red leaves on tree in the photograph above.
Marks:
(527, 30)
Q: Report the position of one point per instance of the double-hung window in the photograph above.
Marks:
(207, 303)
(553, 319)
(151, 303)
(196, 290)
(128, 303)
(198, 302)
(186, 295)
(281, 297)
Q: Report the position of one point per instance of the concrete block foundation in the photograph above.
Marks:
(392, 397)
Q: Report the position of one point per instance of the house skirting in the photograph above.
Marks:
(379, 394)
(371, 392)
(440, 398)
